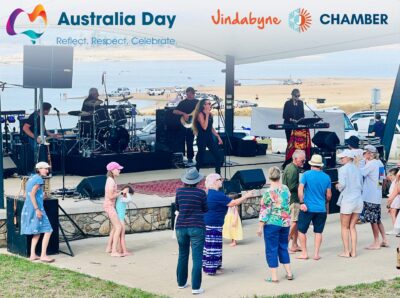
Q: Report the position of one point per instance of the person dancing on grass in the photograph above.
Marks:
(110, 195)
(34, 220)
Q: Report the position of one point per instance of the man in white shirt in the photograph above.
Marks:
(372, 195)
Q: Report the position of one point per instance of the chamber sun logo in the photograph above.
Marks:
(300, 20)
(38, 12)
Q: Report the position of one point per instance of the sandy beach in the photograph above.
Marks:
(349, 94)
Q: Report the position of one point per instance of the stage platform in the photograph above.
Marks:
(148, 212)
(132, 162)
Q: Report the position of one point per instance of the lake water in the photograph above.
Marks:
(139, 75)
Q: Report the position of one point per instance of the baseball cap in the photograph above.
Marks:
(114, 166)
(370, 148)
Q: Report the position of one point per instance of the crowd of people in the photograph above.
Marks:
(293, 202)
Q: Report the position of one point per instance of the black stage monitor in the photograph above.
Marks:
(48, 67)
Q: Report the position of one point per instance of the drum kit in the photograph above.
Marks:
(108, 128)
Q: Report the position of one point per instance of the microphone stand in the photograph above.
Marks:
(228, 140)
(314, 114)
(63, 190)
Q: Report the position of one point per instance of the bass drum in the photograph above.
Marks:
(114, 138)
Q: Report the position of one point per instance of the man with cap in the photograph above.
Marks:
(314, 194)
(191, 203)
(372, 195)
(185, 109)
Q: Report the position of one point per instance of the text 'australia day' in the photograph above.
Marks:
(116, 19)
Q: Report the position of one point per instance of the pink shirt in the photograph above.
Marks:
(111, 186)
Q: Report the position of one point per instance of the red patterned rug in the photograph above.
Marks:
(162, 188)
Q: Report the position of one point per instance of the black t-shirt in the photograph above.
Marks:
(31, 122)
(87, 106)
(187, 105)
(293, 110)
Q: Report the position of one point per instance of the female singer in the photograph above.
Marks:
(205, 132)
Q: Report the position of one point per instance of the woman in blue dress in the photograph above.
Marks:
(34, 220)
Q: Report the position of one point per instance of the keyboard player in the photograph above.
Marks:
(292, 111)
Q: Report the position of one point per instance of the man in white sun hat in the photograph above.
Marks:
(314, 192)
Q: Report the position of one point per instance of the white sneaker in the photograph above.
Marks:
(198, 291)
(390, 233)
(183, 287)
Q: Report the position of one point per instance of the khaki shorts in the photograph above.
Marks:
(294, 211)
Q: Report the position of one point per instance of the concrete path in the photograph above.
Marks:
(152, 267)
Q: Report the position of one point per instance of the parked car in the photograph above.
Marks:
(155, 91)
(122, 91)
(244, 104)
(148, 133)
(364, 114)
(179, 89)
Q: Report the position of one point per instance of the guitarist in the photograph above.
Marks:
(31, 125)
(185, 108)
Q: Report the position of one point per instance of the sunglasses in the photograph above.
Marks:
(297, 95)
(220, 179)
(207, 103)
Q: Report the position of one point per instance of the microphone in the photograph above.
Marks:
(55, 109)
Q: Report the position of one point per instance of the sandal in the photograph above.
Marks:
(289, 277)
(271, 280)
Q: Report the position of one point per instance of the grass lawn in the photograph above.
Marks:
(379, 289)
(22, 278)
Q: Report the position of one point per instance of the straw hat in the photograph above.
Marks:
(316, 161)
(42, 165)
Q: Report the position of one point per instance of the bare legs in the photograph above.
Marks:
(345, 231)
(348, 228)
(293, 235)
(45, 243)
(376, 229)
(124, 251)
(115, 234)
(303, 245)
(353, 233)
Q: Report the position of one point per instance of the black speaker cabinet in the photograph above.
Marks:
(22, 155)
(326, 140)
(168, 131)
(48, 66)
(21, 244)
(250, 179)
(333, 207)
(231, 186)
(92, 187)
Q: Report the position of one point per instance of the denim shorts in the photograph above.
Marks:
(317, 218)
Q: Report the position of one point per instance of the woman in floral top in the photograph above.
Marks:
(275, 221)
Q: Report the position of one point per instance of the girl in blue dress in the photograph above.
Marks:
(34, 220)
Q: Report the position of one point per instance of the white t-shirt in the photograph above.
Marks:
(372, 192)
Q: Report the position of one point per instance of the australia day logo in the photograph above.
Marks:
(300, 20)
(38, 12)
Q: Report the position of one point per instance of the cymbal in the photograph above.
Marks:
(94, 103)
(79, 113)
(125, 99)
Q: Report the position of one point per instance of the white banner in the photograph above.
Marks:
(262, 117)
